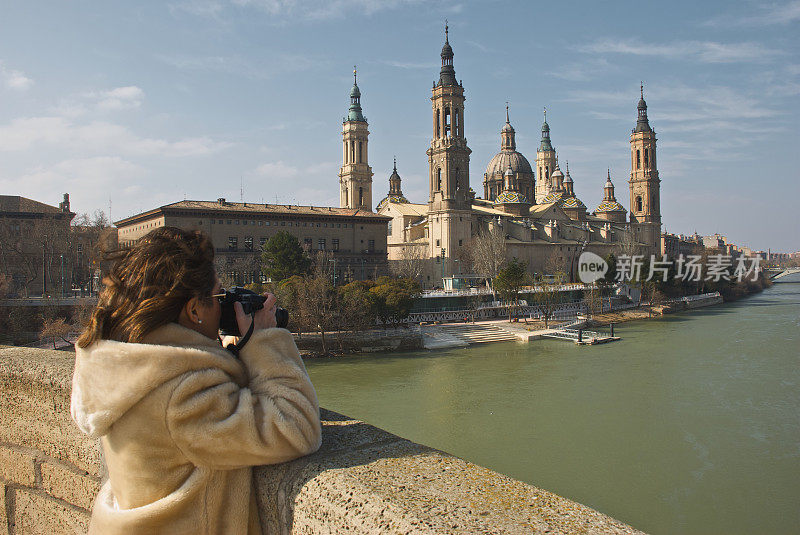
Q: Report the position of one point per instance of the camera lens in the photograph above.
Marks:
(281, 317)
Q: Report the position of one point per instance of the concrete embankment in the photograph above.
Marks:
(363, 479)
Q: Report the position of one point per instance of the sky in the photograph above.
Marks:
(128, 106)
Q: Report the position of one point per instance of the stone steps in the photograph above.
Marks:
(478, 333)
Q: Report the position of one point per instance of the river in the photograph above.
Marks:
(689, 424)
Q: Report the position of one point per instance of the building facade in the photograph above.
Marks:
(542, 220)
(355, 238)
(36, 251)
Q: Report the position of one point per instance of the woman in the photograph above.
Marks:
(181, 420)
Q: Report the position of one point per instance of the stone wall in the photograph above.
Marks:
(363, 479)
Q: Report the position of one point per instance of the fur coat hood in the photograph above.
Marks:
(111, 377)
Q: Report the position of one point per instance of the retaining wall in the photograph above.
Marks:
(363, 479)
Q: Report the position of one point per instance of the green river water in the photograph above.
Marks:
(690, 424)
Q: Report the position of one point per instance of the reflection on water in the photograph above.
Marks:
(690, 424)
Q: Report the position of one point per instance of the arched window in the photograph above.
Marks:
(638, 203)
(346, 201)
(360, 154)
(352, 152)
(457, 129)
(546, 172)
(361, 196)
(638, 159)
(439, 179)
(447, 119)
(646, 159)
(455, 185)
(438, 124)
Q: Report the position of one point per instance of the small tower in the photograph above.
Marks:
(545, 164)
(645, 184)
(395, 192)
(449, 204)
(355, 176)
(610, 209)
(494, 177)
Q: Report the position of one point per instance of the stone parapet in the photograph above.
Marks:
(363, 479)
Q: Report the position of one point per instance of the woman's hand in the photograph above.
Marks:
(264, 318)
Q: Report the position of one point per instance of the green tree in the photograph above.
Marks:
(509, 282)
(283, 257)
(356, 306)
(394, 298)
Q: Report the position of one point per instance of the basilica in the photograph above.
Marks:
(541, 219)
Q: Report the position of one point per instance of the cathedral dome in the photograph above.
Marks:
(610, 206)
(505, 159)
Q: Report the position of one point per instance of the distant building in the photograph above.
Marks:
(355, 237)
(543, 221)
(35, 244)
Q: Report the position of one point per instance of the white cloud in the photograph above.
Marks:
(277, 170)
(761, 15)
(701, 51)
(89, 181)
(14, 79)
(118, 98)
(96, 136)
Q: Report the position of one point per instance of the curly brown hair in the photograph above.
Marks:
(149, 284)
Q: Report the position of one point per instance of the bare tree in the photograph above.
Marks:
(54, 329)
(488, 253)
(411, 264)
(628, 245)
(556, 265)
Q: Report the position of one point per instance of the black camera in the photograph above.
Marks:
(251, 302)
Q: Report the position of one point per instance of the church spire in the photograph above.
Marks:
(642, 124)
(354, 113)
(447, 76)
(545, 144)
(507, 135)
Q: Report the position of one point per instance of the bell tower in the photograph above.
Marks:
(644, 184)
(355, 175)
(545, 164)
(449, 201)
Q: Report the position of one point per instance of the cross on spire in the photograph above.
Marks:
(354, 75)
(446, 31)
(641, 88)
(507, 120)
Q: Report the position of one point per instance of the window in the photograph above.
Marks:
(233, 243)
(438, 129)
(371, 245)
(638, 159)
(307, 243)
(325, 225)
(447, 121)
(266, 223)
(646, 159)
(335, 244)
(437, 243)
(460, 243)
(260, 223)
(338, 225)
(237, 221)
(360, 153)
(283, 223)
(389, 227)
(345, 225)
(360, 197)
(248, 243)
(439, 179)
(229, 221)
(262, 241)
(638, 203)
(321, 244)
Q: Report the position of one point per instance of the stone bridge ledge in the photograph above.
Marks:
(363, 479)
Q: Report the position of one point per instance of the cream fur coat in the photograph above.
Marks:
(182, 422)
